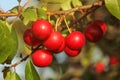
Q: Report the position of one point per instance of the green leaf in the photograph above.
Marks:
(14, 40)
(41, 13)
(12, 76)
(14, 10)
(29, 15)
(66, 5)
(114, 7)
(76, 3)
(8, 42)
(53, 1)
(30, 72)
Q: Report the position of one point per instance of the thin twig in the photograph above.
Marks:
(19, 62)
(65, 12)
(20, 11)
(14, 65)
(7, 14)
(81, 18)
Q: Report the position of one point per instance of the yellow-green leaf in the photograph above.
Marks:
(41, 13)
(113, 7)
(76, 3)
(66, 5)
(8, 42)
(29, 15)
(12, 76)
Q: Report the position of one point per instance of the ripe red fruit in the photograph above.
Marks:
(30, 39)
(54, 41)
(61, 48)
(75, 40)
(102, 25)
(114, 60)
(95, 30)
(99, 67)
(71, 52)
(42, 58)
(42, 29)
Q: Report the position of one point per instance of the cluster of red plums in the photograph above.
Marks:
(42, 33)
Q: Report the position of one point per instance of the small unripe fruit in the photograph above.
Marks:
(42, 29)
(42, 58)
(75, 40)
(30, 39)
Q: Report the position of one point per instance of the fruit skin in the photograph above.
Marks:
(93, 33)
(29, 38)
(42, 58)
(99, 67)
(61, 48)
(72, 53)
(102, 25)
(75, 40)
(114, 60)
(95, 30)
(42, 29)
(54, 41)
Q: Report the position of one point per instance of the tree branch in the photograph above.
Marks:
(88, 12)
(23, 59)
(84, 7)
(17, 63)
(7, 14)
(64, 12)
(19, 12)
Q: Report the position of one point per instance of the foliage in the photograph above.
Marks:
(65, 16)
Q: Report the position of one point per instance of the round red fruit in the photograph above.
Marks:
(54, 41)
(102, 25)
(42, 58)
(114, 60)
(95, 30)
(99, 67)
(29, 38)
(61, 48)
(42, 29)
(72, 53)
(75, 40)
(93, 33)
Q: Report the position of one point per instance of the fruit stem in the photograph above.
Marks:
(56, 25)
(49, 18)
(17, 63)
(67, 25)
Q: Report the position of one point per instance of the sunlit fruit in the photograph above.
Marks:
(42, 29)
(54, 41)
(75, 40)
(42, 58)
